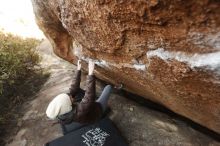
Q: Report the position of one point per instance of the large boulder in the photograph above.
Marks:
(166, 51)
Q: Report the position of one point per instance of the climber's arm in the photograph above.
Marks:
(90, 93)
(88, 100)
(75, 86)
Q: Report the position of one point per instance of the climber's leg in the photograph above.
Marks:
(103, 99)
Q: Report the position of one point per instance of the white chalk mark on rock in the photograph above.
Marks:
(77, 49)
(209, 61)
(139, 66)
(101, 63)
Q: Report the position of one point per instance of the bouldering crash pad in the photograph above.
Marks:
(102, 133)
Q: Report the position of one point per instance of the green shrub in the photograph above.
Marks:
(17, 59)
(20, 73)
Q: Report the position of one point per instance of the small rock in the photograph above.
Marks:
(131, 109)
(23, 142)
(19, 123)
(21, 133)
(165, 126)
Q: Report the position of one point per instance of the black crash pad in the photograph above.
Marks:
(67, 128)
(102, 133)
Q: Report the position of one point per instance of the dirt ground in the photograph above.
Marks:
(140, 125)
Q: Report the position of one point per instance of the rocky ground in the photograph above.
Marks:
(139, 124)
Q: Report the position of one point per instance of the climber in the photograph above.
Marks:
(66, 110)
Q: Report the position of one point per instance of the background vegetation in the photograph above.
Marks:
(20, 75)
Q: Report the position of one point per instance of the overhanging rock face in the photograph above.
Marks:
(166, 51)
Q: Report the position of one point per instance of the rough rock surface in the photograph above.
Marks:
(140, 125)
(166, 51)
